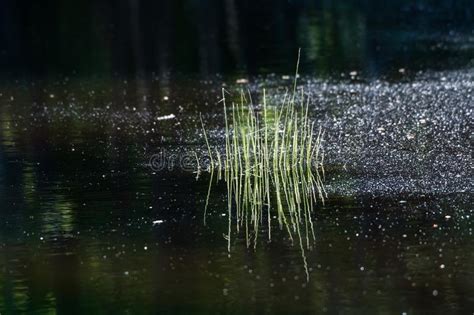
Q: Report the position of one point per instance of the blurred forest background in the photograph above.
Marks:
(133, 37)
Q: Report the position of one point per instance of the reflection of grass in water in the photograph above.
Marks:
(271, 161)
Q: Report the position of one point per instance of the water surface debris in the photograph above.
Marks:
(166, 117)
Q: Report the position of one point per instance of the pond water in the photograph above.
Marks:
(88, 226)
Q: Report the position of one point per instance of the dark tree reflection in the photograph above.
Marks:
(133, 37)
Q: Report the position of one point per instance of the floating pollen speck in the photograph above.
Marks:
(166, 117)
(242, 81)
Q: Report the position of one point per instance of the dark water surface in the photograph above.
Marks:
(87, 226)
(80, 204)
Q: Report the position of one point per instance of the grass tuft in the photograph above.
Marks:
(272, 166)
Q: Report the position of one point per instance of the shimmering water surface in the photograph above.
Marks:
(87, 226)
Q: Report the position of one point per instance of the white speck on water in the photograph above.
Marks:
(158, 222)
(165, 98)
(126, 273)
(447, 217)
(435, 292)
(225, 292)
(353, 73)
(166, 117)
(145, 247)
(442, 266)
(362, 268)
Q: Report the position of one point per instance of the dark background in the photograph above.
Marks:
(205, 37)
